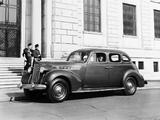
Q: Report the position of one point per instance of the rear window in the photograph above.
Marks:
(125, 58)
(114, 57)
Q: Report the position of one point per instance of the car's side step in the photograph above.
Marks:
(96, 89)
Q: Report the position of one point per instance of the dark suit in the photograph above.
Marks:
(27, 53)
(37, 55)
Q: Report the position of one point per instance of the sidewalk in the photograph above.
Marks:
(10, 94)
(152, 84)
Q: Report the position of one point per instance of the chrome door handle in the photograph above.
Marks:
(107, 67)
(110, 67)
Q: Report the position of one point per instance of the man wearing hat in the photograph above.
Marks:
(36, 53)
(28, 54)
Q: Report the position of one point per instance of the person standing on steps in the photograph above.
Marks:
(28, 55)
(37, 54)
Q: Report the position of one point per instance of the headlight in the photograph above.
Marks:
(42, 69)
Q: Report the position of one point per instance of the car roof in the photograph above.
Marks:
(103, 50)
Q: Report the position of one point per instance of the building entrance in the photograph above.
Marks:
(10, 25)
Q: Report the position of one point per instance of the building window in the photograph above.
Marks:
(157, 23)
(129, 19)
(92, 15)
(155, 66)
(141, 65)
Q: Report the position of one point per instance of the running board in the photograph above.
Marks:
(96, 90)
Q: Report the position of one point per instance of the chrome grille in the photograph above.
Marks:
(36, 73)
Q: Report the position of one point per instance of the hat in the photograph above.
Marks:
(29, 44)
(36, 45)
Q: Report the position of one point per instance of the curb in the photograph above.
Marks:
(148, 88)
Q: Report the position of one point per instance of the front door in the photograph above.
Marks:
(96, 72)
(10, 24)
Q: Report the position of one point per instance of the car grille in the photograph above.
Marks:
(36, 73)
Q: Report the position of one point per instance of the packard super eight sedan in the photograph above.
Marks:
(85, 70)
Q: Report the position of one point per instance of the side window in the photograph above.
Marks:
(114, 57)
(125, 58)
(98, 57)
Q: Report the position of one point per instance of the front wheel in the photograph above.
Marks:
(58, 91)
(130, 86)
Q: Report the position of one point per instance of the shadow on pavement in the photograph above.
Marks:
(19, 96)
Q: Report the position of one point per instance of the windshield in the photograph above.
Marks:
(78, 56)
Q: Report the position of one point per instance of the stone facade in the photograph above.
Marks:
(63, 30)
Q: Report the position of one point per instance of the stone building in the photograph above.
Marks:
(61, 26)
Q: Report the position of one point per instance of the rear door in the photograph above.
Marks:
(96, 73)
(116, 69)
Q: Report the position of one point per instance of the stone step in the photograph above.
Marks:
(9, 77)
(5, 71)
(10, 80)
(11, 68)
(8, 86)
(9, 83)
(10, 74)
(11, 61)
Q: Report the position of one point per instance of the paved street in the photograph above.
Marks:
(112, 105)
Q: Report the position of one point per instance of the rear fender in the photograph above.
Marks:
(73, 78)
(138, 77)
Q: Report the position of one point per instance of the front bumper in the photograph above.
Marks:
(32, 86)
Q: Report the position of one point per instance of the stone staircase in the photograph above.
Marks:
(10, 72)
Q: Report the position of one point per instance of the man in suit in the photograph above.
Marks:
(28, 54)
(36, 53)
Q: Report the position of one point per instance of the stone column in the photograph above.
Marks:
(36, 23)
(47, 29)
(23, 26)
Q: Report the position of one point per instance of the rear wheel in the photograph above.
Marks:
(130, 86)
(58, 91)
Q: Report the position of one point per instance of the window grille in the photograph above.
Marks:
(141, 65)
(129, 20)
(92, 15)
(155, 66)
(157, 23)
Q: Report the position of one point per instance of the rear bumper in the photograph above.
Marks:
(145, 82)
(32, 86)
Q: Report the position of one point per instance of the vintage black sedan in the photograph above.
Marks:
(85, 70)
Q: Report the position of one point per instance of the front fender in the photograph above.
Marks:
(73, 78)
(26, 78)
(138, 77)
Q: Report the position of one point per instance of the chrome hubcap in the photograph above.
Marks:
(130, 86)
(59, 90)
